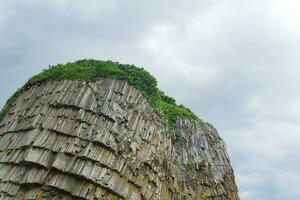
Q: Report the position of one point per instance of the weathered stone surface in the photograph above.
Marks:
(102, 140)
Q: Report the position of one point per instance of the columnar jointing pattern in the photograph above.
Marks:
(102, 140)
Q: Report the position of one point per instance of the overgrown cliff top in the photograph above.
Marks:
(91, 70)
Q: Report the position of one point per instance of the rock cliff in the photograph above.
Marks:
(102, 139)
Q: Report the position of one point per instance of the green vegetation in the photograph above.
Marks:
(91, 70)
(189, 166)
(178, 134)
(176, 162)
(10, 102)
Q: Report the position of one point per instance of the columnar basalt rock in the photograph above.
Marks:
(73, 139)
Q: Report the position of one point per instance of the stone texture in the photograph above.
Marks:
(102, 140)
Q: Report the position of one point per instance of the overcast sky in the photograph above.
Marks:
(235, 63)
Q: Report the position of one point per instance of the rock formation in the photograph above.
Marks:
(75, 139)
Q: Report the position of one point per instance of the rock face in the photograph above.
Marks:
(102, 140)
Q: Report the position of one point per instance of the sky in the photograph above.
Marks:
(235, 63)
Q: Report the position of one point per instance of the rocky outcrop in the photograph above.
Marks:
(102, 140)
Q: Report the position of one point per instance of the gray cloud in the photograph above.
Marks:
(235, 63)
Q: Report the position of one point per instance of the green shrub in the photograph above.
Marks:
(91, 70)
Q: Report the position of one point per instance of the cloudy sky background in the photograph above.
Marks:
(235, 63)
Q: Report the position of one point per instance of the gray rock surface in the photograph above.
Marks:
(102, 140)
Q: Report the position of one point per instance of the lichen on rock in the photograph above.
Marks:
(102, 139)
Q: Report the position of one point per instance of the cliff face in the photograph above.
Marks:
(102, 140)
